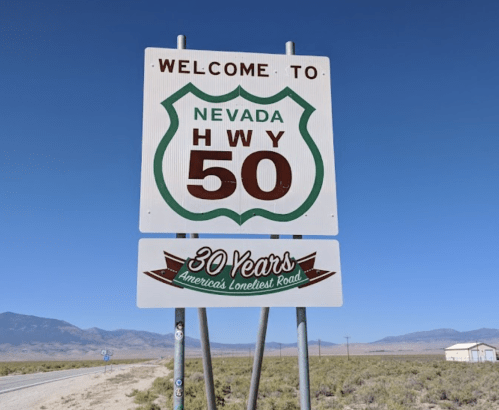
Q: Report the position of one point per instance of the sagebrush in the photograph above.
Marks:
(368, 382)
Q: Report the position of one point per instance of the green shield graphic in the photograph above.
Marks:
(239, 218)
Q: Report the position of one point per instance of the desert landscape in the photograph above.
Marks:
(418, 382)
(393, 373)
(110, 390)
(31, 338)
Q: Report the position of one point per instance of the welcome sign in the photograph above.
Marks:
(237, 143)
(236, 272)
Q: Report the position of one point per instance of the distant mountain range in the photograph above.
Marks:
(17, 330)
(439, 335)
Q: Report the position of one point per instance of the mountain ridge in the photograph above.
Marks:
(438, 335)
(17, 329)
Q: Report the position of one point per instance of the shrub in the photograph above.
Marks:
(132, 393)
(145, 397)
(150, 406)
(163, 386)
(379, 382)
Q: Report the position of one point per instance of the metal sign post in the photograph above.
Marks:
(207, 366)
(264, 315)
(205, 346)
(259, 351)
(301, 321)
(179, 359)
(107, 356)
(257, 364)
(301, 324)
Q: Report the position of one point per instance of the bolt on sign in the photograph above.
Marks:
(238, 273)
(237, 143)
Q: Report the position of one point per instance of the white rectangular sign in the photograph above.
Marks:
(238, 273)
(237, 143)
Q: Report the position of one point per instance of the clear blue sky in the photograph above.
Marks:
(415, 93)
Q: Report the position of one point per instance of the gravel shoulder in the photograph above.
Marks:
(106, 391)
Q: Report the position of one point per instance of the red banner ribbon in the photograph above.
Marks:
(174, 263)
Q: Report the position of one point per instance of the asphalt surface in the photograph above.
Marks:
(11, 383)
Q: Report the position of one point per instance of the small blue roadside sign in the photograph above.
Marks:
(106, 358)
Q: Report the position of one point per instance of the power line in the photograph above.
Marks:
(348, 351)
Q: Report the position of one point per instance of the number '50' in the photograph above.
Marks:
(248, 175)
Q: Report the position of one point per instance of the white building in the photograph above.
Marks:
(471, 352)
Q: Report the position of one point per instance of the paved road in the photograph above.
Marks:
(11, 383)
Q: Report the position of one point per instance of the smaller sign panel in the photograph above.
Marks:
(238, 273)
(107, 358)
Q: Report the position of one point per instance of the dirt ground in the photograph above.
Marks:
(101, 391)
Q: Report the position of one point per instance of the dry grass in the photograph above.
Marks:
(383, 382)
(7, 368)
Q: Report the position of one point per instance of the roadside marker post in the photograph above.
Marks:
(106, 356)
(250, 181)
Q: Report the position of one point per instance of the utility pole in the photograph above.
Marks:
(280, 355)
(319, 348)
(348, 352)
